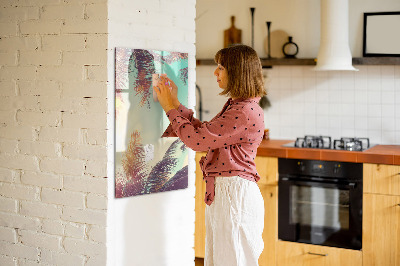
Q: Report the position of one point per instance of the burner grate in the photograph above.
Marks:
(324, 142)
(351, 144)
(320, 142)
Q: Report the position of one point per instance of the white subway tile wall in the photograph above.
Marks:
(338, 104)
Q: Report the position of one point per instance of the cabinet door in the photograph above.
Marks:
(381, 179)
(200, 207)
(381, 230)
(267, 168)
(297, 254)
(270, 233)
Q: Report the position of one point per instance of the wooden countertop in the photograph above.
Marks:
(379, 154)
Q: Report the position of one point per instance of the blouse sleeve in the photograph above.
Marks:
(186, 113)
(223, 131)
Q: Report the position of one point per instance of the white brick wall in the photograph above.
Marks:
(61, 258)
(75, 230)
(8, 234)
(54, 131)
(53, 107)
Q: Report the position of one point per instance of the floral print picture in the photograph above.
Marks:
(144, 162)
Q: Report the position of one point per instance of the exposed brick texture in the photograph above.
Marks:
(53, 57)
(55, 125)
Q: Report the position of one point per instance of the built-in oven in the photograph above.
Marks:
(320, 202)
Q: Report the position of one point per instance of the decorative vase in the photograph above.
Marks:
(290, 49)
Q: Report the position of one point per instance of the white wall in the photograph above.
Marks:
(53, 190)
(338, 104)
(298, 18)
(155, 229)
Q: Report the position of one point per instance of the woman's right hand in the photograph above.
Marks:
(174, 89)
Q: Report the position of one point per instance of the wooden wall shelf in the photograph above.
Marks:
(376, 61)
(312, 61)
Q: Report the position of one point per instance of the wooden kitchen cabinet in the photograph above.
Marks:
(381, 230)
(298, 254)
(381, 215)
(200, 207)
(267, 168)
(381, 179)
(270, 233)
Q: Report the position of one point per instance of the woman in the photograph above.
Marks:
(235, 207)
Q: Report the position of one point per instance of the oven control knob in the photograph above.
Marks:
(336, 169)
(302, 167)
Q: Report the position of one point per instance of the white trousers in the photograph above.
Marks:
(234, 223)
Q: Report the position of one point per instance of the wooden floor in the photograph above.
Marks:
(199, 262)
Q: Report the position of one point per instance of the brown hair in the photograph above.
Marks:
(245, 78)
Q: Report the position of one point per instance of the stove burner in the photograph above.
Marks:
(308, 141)
(351, 144)
(324, 142)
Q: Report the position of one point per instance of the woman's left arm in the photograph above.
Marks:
(229, 128)
(226, 130)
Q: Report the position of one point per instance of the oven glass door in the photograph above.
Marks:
(321, 213)
(317, 208)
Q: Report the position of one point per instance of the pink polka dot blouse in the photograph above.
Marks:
(231, 139)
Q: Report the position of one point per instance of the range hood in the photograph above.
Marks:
(334, 51)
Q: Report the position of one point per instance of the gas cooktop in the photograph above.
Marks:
(325, 142)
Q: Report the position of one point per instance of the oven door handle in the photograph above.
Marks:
(297, 181)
